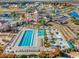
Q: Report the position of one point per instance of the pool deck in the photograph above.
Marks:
(59, 37)
(39, 42)
(22, 49)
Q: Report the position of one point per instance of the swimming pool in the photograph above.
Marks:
(74, 14)
(70, 44)
(41, 32)
(27, 38)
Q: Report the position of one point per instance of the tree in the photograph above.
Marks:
(42, 53)
(10, 55)
(78, 34)
(24, 56)
(42, 21)
(1, 49)
(46, 38)
(76, 22)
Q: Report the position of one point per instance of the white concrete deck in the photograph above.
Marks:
(21, 49)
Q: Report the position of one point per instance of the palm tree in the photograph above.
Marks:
(48, 45)
(42, 22)
(1, 49)
(42, 53)
(46, 38)
(50, 29)
(37, 26)
(24, 56)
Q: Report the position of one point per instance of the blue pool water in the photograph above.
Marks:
(27, 38)
(41, 32)
(74, 14)
(70, 44)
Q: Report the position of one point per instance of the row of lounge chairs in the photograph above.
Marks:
(27, 50)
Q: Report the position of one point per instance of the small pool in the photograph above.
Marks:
(70, 44)
(41, 32)
(74, 14)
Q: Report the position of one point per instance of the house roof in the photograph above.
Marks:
(63, 18)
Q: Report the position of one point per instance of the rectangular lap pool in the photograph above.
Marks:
(28, 38)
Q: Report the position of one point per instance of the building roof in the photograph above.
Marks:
(63, 18)
(37, 0)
